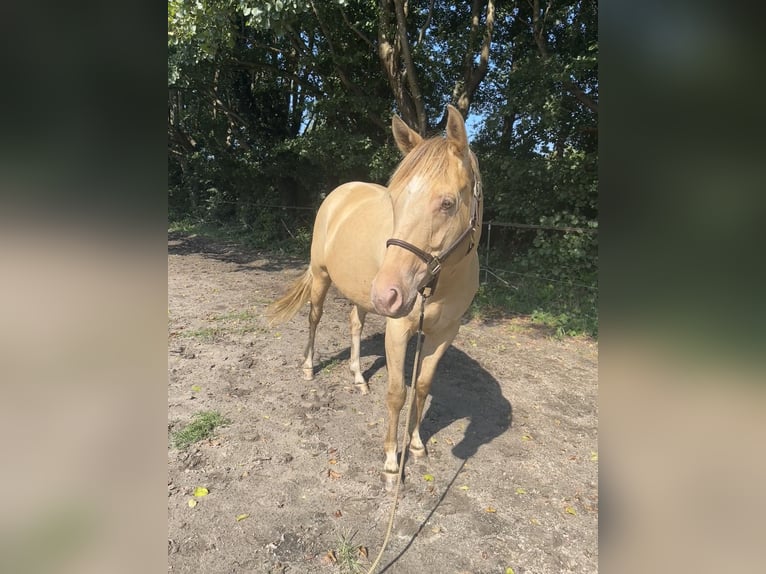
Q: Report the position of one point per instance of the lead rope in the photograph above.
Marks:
(406, 440)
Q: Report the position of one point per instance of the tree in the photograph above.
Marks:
(406, 51)
(278, 101)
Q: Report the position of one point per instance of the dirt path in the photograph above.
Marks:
(510, 481)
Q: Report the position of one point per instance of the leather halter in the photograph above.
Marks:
(434, 262)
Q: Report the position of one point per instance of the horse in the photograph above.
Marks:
(384, 246)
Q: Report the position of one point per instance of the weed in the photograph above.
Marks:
(246, 320)
(330, 366)
(246, 315)
(348, 554)
(206, 334)
(202, 426)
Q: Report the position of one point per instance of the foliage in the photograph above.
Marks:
(273, 103)
(566, 308)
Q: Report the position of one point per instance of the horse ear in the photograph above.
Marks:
(405, 138)
(456, 133)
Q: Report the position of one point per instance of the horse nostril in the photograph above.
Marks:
(393, 298)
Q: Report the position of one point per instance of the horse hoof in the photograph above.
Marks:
(389, 479)
(418, 452)
(364, 388)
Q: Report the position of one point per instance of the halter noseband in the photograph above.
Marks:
(434, 262)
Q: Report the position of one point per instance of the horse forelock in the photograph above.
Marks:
(429, 162)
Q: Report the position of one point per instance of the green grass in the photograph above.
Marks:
(206, 334)
(330, 366)
(202, 426)
(239, 323)
(246, 315)
(348, 555)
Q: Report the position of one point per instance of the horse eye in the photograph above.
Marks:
(447, 203)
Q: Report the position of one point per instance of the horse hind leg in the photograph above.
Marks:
(319, 286)
(357, 324)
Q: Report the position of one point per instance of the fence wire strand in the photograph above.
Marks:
(486, 269)
(532, 275)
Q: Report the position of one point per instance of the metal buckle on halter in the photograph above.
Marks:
(434, 267)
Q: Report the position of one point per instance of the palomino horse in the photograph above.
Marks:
(381, 247)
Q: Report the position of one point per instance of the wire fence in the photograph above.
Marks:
(566, 301)
(486, 269)
(524, 268)
(497, 273)
(489, 224)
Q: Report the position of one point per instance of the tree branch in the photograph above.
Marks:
(478, 75)
(409, 66)
(538, 31)
(463, 93)
(422, 32)
(226, 109)
(356, 31)
(581, 96)
(184, 140)
(389, 49)
(351, 86)
(303, 82)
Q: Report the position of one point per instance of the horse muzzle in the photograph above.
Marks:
(391, 300)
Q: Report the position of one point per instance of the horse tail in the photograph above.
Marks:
(283, 309)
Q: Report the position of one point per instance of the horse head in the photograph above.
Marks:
(436, 197)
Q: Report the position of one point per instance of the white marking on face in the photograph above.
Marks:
(417, 184)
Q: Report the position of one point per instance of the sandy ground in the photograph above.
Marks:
(511, 479)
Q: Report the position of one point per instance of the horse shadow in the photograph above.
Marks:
(461, 389)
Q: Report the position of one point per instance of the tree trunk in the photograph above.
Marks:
(396, 59)
(465, 89)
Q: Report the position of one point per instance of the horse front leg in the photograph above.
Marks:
(398, 333)
(357, 324)
(434, 347)
(319, 286)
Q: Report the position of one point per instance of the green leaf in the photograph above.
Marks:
(428, 477)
